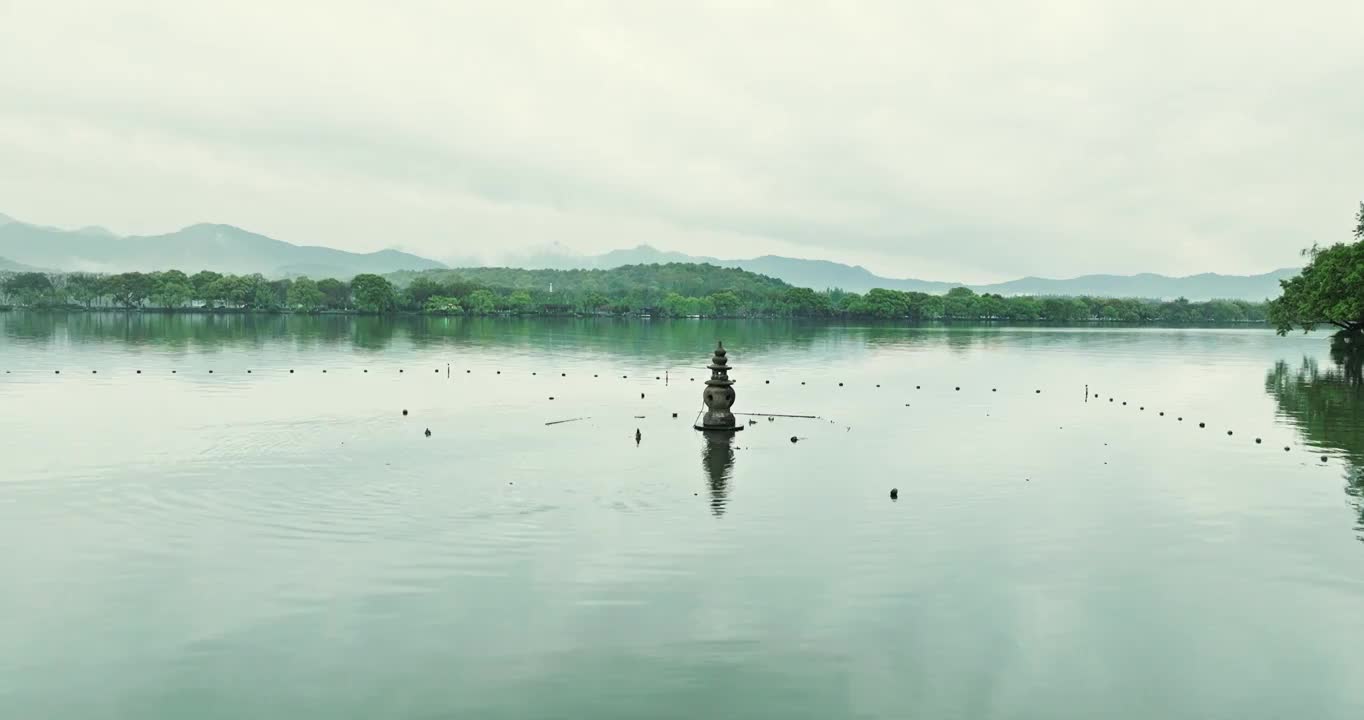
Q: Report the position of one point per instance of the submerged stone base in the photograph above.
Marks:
(718, 428)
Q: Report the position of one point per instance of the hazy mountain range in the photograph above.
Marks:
(224, 248)
(823, 274)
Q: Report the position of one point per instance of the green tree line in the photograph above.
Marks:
(669, 290)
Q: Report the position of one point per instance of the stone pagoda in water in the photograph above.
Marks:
(718, 396)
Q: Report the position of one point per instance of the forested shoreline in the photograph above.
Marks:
(666, 290)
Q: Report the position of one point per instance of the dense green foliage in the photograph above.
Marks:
(371, 293)
(671, 290)
(168, 290)
(681, 290)
(1329, 291)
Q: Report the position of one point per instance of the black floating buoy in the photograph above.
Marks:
(248, 372)
(1180, 419)
(958, 388)
(1143, 407)
(624, 377)
(765, 382)
(324, 372)
(563, 374)
(1257, 441)
(894, 493)
(1228, 432)
(674, 414)
(658, 377)
(532, 373)
(404, 412)
(1202, 425)
(916, 387)
(1323, 458)
(1124, 402)
(210, 372)
(291, 372)
(802, 382)
(94, 372)
(466, 372)
(499, 372)
(641, 396)
(840, 384)
(794, 439)
(994, 389)
(878, 384)
(1285, 448)
(173, 372)
(1162, 413)
(1039, 392)
(428, 432)
(438, 370)
(400, 369)
(367, 370)
(551, 397)
(139, 372)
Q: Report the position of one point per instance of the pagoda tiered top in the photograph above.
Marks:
(719, 368)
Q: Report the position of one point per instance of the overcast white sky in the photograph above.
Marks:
(971, 141)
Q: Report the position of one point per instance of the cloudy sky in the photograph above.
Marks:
(971, 141)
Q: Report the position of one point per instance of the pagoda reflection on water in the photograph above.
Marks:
(717, 457)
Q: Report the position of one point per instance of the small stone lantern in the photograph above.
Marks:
(718, 396)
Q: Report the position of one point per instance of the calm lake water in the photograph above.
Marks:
(250, 528)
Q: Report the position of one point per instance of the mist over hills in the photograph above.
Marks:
(27, 247)
(7, 265)
(824, 274)
(223, 248)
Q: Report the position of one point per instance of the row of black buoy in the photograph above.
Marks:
(895, 492)
(1258, 441)
(956, 388)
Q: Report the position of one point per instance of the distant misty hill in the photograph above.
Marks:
(823, 274)
(9, 265)
(222, 248)
(228, 249)
(1205, 286)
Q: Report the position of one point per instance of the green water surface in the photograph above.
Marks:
(251, 528)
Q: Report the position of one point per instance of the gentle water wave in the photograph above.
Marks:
(239, 541)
